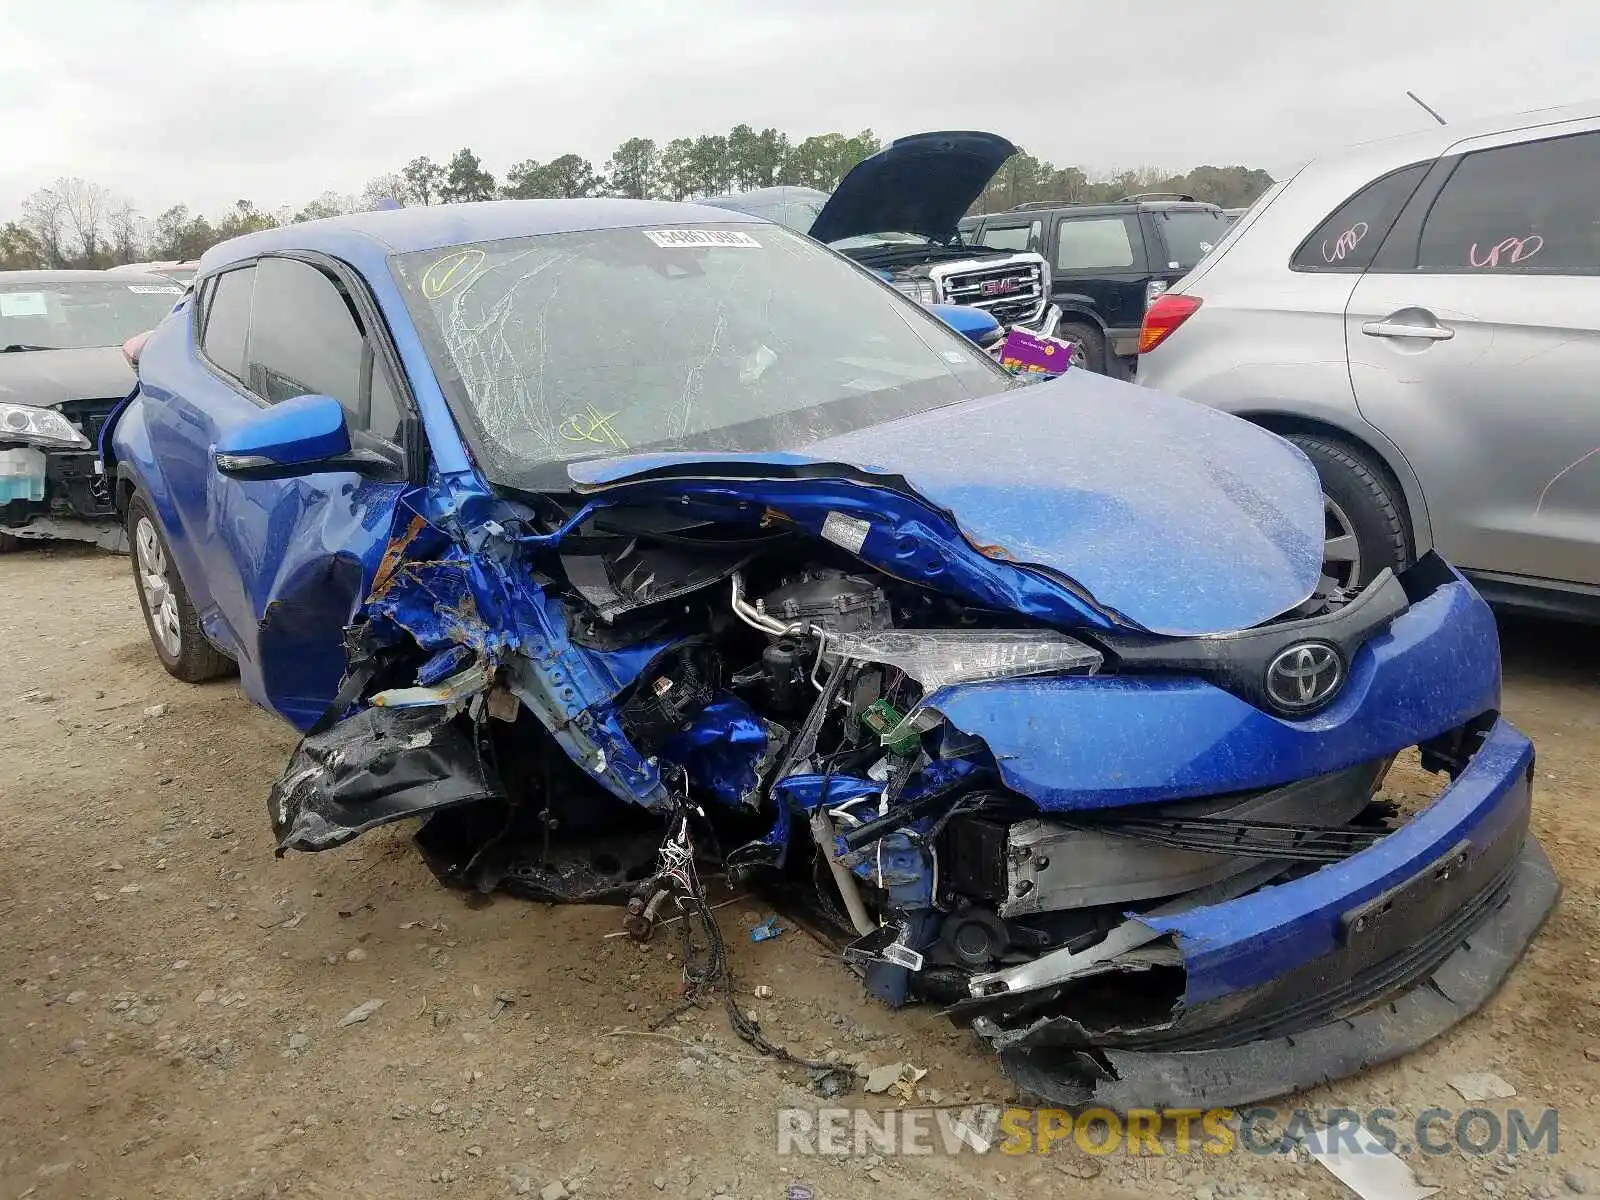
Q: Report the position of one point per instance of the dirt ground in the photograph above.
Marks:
(171, 994)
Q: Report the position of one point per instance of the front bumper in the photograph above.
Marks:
(76, 504)
(1315, 979)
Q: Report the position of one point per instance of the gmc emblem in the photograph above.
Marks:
(999, 287)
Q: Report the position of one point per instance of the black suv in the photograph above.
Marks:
(1108, 261)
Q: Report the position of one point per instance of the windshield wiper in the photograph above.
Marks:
(17, 347)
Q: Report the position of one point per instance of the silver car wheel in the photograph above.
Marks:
(160, 601)
(1341, 551)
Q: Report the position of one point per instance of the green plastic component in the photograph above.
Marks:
(882, 718)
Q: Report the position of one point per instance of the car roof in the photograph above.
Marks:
(1313, 192)
(1113, 207)
(404, 230)
(778, 191)
(64, 276)
(1434, 140)
(153, 265)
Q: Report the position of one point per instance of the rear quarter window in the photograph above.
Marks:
(226, 318)
(1189, 234)
(1348, 239)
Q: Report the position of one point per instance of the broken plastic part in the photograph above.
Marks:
(883, 719)
(458, 687)
(381, 765)
(936, 658)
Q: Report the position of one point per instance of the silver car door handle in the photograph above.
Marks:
(1394, 329)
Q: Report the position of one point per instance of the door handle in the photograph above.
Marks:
(1398, 329)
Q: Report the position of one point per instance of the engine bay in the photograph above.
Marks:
(689, 697)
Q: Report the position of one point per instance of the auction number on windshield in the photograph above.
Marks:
(693, 238)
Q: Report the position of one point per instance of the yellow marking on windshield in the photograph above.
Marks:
(592, 425)
(450, 272)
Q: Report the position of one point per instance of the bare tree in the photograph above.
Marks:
(125, 230)
(383, 188)
(329, 204)
(86, 207)
(44, 216)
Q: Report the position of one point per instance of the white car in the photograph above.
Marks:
(1421, 316)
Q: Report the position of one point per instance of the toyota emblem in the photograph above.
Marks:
(1304, 676)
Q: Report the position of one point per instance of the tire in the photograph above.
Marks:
(1364, 512)
(174, 626)
(9, 543)
(1090, 341)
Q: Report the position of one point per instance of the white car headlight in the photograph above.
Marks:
(920, 290)
(39, 427)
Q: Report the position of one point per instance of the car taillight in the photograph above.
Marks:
(1164, 315)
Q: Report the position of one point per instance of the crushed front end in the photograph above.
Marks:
(1148, 869)
(49, 487)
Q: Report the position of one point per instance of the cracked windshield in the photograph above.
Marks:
(605, 342)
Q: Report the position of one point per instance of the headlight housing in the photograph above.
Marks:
(920, 290)
(39, 427)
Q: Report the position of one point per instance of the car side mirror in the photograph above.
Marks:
(301, 436)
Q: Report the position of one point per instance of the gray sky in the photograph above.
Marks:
(169, 101)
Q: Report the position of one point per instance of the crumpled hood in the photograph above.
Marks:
(920, 184)
(1176, 517)
(45, 378)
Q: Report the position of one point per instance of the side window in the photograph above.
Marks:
(1012, 237)
(1094, 244)
(303, 337)
(1528, 209)
(1349, 238)
(226, 316)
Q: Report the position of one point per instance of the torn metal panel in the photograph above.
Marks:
(495, 609)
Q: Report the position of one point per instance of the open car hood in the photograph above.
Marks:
(920, 184)
(1176, 518)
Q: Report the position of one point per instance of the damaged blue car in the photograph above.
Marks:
(632, 545)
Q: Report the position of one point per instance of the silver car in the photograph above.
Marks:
(1421, 316)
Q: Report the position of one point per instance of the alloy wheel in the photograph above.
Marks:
(160, 601)
(1341, 551)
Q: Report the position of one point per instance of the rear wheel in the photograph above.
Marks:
(1089, 344)
(1364, 523)
(173, 624)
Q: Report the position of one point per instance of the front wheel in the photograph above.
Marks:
(1364, 523)
(173, 624)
